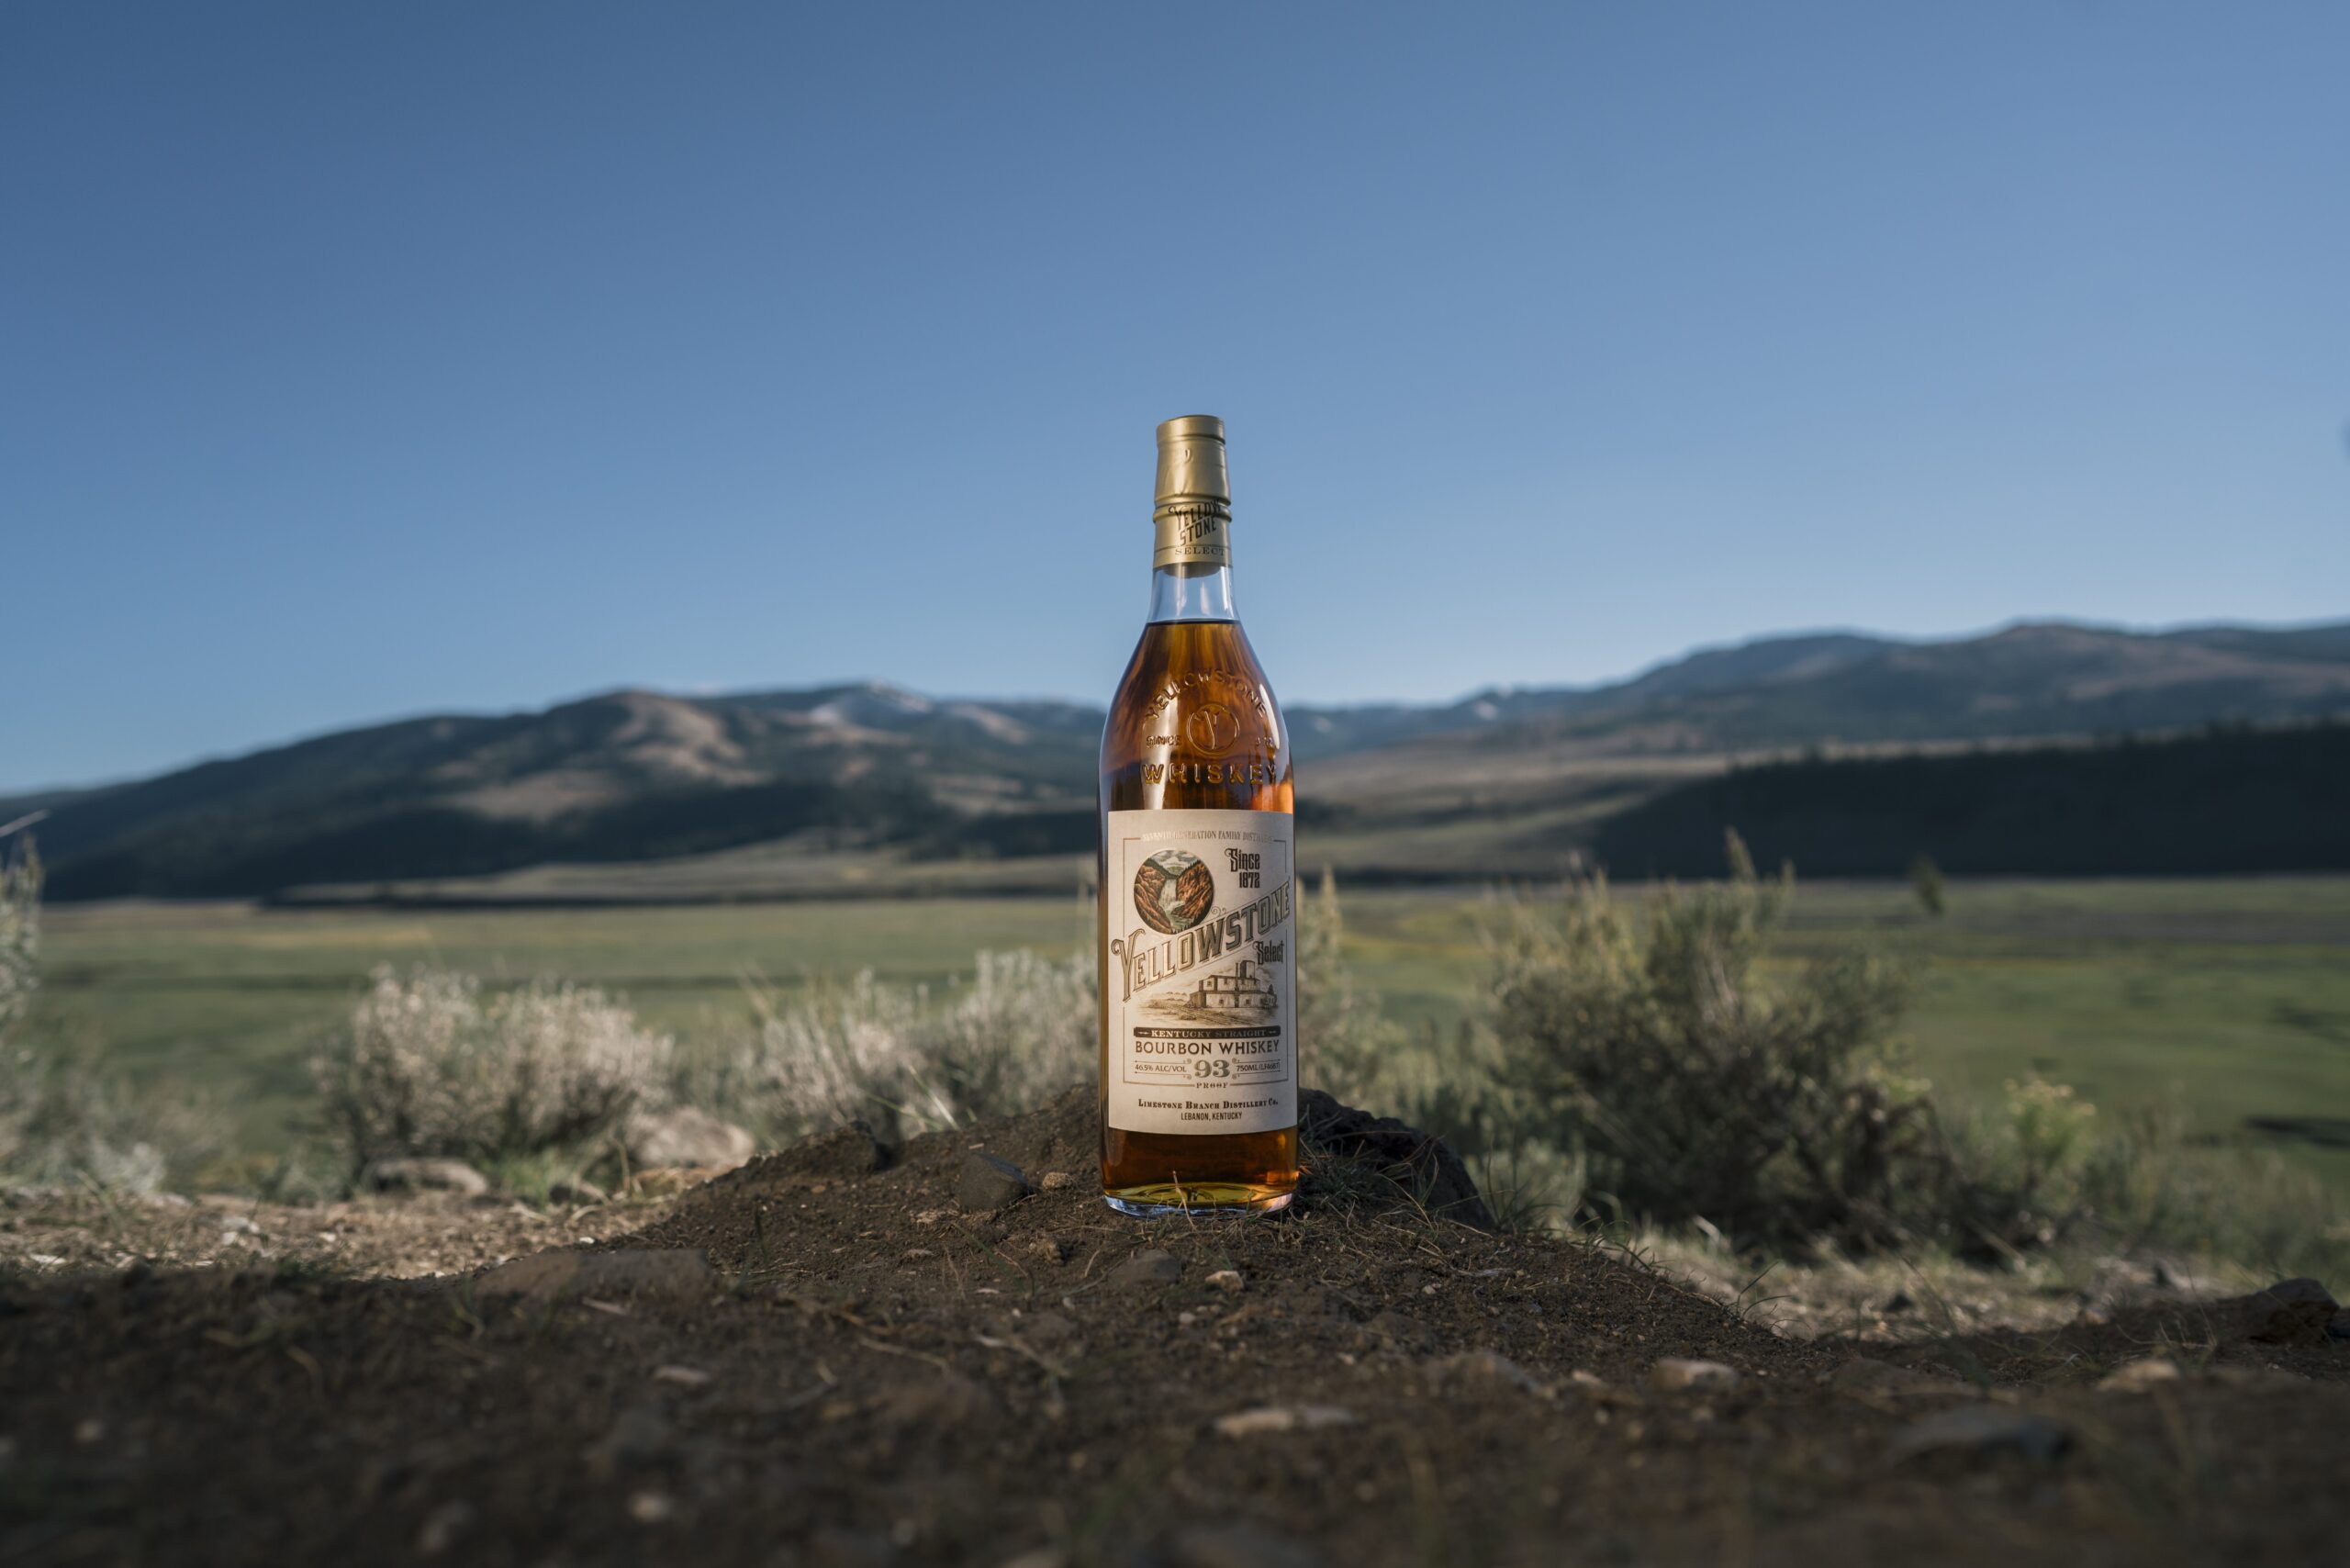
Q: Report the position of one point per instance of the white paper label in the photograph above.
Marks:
(1200, 978)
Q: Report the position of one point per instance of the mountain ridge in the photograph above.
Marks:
(870, 767)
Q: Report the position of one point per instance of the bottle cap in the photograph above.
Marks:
(1192, 507)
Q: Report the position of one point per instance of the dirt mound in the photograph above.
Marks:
(824, 1358)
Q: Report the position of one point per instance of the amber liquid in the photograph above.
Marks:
(1180, 669)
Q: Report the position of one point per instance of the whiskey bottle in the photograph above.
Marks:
(1198, 891)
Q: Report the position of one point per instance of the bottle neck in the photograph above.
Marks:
(1192, 591)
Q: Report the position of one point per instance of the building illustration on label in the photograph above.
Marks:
(1173, 891)
(1245, 992)
(1240, 987)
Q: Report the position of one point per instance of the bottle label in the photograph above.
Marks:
(1191, 537)
(1199, 979)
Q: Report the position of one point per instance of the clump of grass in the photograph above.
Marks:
(19, 931)
(428, 1066)
(65, 1118)
(1019, 1031)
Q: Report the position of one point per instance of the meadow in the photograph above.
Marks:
(2229, 998)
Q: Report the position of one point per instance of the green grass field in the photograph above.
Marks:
(2228, 997)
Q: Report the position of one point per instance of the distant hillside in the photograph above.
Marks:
(625, 777)
(2042, 678)
(2229, 800)
(872, 769)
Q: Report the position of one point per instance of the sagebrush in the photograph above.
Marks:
(429, 1065)
(1020, 1030)
(66, 1118)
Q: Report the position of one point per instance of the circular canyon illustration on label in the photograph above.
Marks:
(1173, 891)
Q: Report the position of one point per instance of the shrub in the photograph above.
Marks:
(1696, 1087)
(64, 1122)
(1023, 1030)
(65, 1118)
(1346, 1041)
(1926, 882)
(428, 1067)
(19, 934)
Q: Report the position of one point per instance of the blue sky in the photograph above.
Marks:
(362, 361)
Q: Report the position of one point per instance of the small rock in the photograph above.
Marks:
(682, 1136)
(1983, 1432)
(1675, 1374)
(423, 1175)
(2292, 1312)
(987, 1185)
(942, 1402)
(1227, 1280)
(636, 1440)
(1148, 1268)
(650, 1508)
(1269, 1418)
(676, 1274)
(1047, 1329)
(1481, 1370)
(442, 1528)
(1055, 1179)
(1236, 1545)
(577, 1189)
(685, 1377)
(1408, 1334)
(2139, 1376)
(1051, 1249)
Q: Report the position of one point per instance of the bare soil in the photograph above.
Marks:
(867, 1374)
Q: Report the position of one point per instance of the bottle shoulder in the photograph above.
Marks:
(1194, 723)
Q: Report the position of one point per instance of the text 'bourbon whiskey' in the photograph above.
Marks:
(1199, 881)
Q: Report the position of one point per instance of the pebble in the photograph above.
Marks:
(1983, 1431)
(1227, 1280)
(1149, 1267)
(681, 1137)
(2139, 1376)
(443, 1526)
(1055, 1179)
(1481, 1370)
(1267, 1418)
(650, 1508)
(988, 1183)
(687, 1377)
(939, 1403)
(419, 1174)
(1041, 1557)
(1675, 1374)
(638, 1437)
